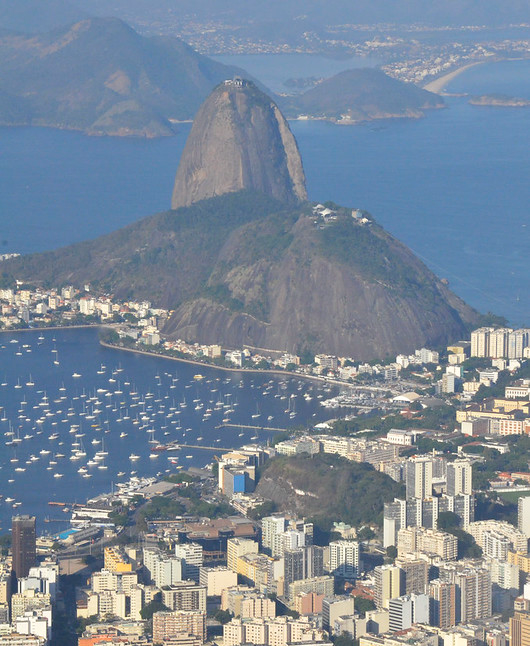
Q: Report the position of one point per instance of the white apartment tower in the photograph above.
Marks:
(344, 559)
(418, 477)
(459, 478)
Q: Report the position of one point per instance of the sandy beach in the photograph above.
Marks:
(437, 86)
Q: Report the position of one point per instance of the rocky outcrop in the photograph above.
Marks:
(307, 297)
(239, 140)
(240, 269)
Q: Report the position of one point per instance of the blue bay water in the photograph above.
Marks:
(453, 186)
(60, 390)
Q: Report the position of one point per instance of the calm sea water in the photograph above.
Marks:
(453, 186)
(61, 392)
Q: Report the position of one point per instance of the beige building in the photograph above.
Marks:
(272, 632)
(185, 595)
(167, 625)
(389, 584)
(217, 579)
(520, 629)
(28, 600)
(497, 538)
(237, 547)
(427, 541)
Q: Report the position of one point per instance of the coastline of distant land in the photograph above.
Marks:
(204, 364)
(499, 101)
(52, 327)
(437, 86)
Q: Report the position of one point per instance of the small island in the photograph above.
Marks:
(499, 101)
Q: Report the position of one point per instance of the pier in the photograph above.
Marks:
(223, 449)
(253, 428)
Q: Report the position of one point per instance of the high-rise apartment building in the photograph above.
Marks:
(389, 584)
(344, 559)
(459, 478)
(192, 559)
(236, 547)
(473, 590)
(523, 515)
(303, 563)
(418, 477)
(520, 629)
(23, 541)
(416, 575)
(443, 603)
(480, 342)
(407, 610)
(168, 625)
(271, 526)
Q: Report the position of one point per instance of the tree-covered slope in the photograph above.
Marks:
(242, 269)
(327, 488)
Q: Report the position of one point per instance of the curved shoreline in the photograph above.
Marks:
(210, 365)
(437, 86)
(52, 327)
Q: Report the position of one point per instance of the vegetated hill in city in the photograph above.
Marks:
(243, 268)
(362, 94)
(239, 140)
(101, 77)
(327, 488)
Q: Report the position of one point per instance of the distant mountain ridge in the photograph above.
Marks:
(361, 95)
(102, 77)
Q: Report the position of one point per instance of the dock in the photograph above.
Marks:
(223, 449)
(253, 428)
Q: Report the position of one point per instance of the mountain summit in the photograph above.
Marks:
(239, 140)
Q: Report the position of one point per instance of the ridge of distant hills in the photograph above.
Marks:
(100, 76)
(361, 95)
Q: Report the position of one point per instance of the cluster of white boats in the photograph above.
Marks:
(86, 424)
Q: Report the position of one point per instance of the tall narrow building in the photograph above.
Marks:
(459, 478)
(418, 477)
(520, 629)
(23, 540)
(523, 515)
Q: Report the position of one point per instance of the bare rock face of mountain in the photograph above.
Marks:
(239, 140)
(242, 268)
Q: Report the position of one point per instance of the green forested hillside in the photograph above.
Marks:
(330, 488)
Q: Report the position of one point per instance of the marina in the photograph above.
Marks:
(77, 418)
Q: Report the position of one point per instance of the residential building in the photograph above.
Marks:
(443, 603)
(523, 515)
(191, 555)
(186, 595)
(23, 542)
(167, 625)
(344, 560)
(520, 629)
(389, 584)
(217, 579)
